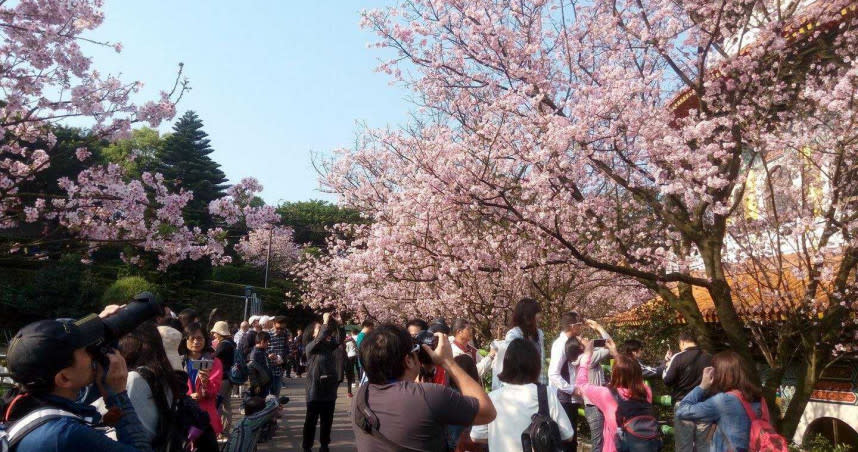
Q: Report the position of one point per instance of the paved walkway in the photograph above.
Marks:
(288, 437)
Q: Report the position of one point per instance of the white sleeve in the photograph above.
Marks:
(143, 402)
(484, 364)
(480, 432)
(558, 360)
(559, 415)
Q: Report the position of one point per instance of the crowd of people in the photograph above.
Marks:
(169, 384)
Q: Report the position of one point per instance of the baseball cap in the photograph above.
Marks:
(41, 349)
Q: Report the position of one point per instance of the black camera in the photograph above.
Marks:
(425, 338)
(141, 308)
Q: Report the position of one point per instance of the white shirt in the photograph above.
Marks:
(484, 364)
(515, 404)
(558, 360)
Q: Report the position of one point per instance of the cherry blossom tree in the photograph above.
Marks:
(626, 137)
(47, 79)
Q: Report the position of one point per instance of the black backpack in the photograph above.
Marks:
(178, 420)
(543, 434)
(638, 429)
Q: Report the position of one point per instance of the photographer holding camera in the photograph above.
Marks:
(53, 361)
(393, 412)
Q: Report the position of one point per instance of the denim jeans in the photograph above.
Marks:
(596, 421)
(276, 384)
(690, 436)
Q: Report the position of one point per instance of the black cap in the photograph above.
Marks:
(41, 349)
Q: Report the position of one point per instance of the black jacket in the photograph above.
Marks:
(685, 371)
(322, 365)
(259, 372)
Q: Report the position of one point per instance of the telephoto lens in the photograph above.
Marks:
(141, 308)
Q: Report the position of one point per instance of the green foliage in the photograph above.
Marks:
(59, 288)
(820, 443)
(124, 288)
(184, 161)
(144, 145)
(310, 218)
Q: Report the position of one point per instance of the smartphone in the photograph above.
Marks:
(599, 343)
(202, 364)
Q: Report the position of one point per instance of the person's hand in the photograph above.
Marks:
(195, 395)
(708, 376)
(116, 377)
(109, 310)
(443, 353)
(492, 353)
(592, 324)
(325, 317)
(204, 374)
(612, 346)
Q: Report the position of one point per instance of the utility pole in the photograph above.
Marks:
(268, 255)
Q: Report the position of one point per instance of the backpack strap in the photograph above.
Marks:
(542, 396)
(764, 410)
(33, 420)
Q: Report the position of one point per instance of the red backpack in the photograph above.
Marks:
(763, 436)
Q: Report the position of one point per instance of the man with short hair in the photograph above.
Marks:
(393, 412)
(415, 326)
(684, 371)
(366, 327)
(634, 348)
(242, 329)
(278, 351)
(49, 359)
(561, 374)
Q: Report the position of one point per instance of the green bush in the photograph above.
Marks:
(124, 288)
(820, 443)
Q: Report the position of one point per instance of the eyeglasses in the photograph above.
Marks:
(196, 339)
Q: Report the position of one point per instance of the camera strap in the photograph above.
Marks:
(366, 419)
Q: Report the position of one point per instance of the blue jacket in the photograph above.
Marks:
(68, 434)
(723, 409)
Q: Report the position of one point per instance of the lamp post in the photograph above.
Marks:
(268, 256)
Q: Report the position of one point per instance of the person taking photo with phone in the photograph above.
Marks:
(205, 372)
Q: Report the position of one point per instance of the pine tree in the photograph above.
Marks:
(185, 163)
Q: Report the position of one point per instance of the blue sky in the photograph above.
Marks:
(273, 81)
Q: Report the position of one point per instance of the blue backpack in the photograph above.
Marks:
(238, 373)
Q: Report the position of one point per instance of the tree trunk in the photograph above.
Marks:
(807, 378)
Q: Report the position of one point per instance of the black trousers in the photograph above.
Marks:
(572, 412)
(317, 410)
(350, 372)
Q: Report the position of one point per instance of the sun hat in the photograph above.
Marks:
(222, 328)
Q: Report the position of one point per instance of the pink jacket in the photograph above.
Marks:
(212, 389)
(604, 400)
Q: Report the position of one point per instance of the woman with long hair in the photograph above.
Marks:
(203, 385)
(626, 384)
(152, 382)
(525, 325)
(321, 342)
(718, 400)
(517, 400)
